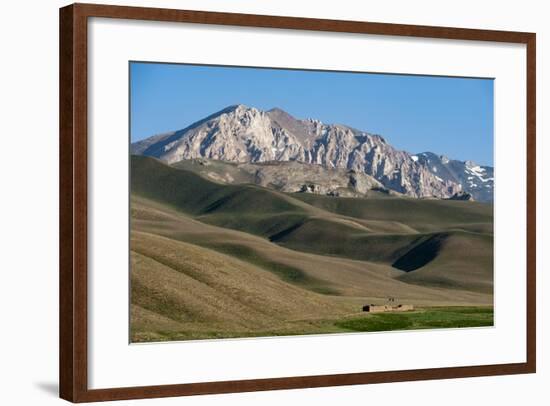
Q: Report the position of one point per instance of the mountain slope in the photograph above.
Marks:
(419, 214)
(248, 135)
(286, 176)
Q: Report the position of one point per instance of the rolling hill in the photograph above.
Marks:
(212, 259)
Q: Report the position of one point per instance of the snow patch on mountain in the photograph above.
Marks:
(475, 179)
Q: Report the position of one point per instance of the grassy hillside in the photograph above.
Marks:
(213, 260)
(379, 230)
(462, 260)
(193, 194)
(420, 214)
(225, 283)
(318, 273)
(179, 287)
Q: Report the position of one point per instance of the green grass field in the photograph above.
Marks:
(421, 319)
(428, 318)
(212, 260)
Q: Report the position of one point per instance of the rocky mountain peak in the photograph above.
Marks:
(475, 179)
(244, 134)
(240, 110)
(278, 111)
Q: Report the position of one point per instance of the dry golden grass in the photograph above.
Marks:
(181, 287)
(348, 277)
(193, 280)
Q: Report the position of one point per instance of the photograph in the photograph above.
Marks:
(267, 203)
(283, 202)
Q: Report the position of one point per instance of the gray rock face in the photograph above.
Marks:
(293, 176)
(475, 179)
(287, 176)
(244, 134)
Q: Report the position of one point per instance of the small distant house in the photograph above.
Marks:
(372, 308)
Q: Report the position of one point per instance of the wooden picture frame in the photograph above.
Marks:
(74, 201)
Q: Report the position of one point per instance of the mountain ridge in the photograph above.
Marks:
(243, 134)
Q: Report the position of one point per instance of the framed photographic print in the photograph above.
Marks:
(256, 202)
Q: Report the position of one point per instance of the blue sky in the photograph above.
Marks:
(449, 116)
